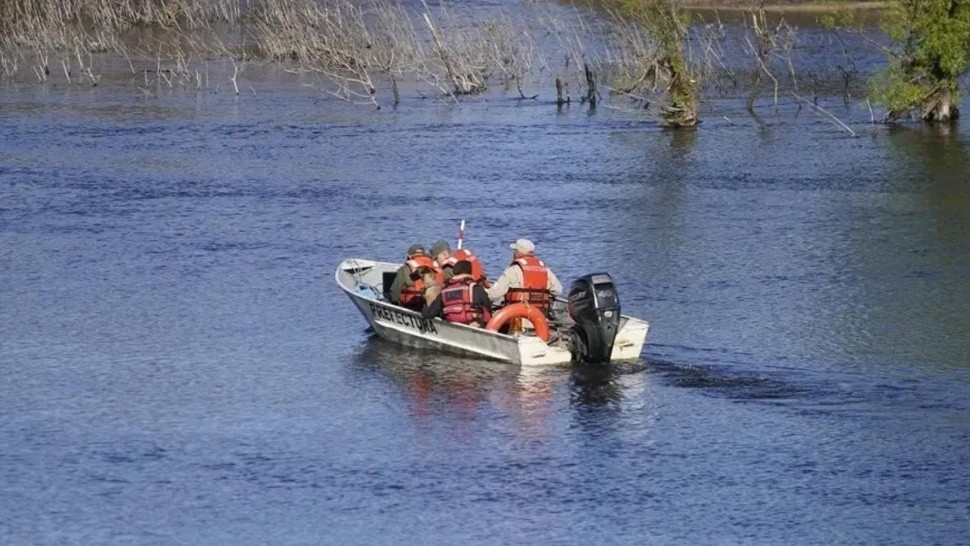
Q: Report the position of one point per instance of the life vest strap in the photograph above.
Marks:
(530, 295)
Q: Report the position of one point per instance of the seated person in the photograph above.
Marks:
(526, 279)
(407, 290)
(441, 253)
(478, 270)
(461, 300)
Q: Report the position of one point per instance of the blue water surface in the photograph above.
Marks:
(177, 365)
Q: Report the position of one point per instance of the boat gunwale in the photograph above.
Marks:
(438, 320)
(398, 307)
(354, 269)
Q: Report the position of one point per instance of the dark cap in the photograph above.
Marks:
(462, 267)
(439, 247)
(416, 248)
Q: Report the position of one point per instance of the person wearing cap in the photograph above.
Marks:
(461, 300)
(526, 279)
(445, 259)
(413, 278)
(441, 253)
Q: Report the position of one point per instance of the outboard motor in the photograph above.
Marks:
(595, 306)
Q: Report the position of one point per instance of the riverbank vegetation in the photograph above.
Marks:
(931, 53)
(646, 55)
(666, 25)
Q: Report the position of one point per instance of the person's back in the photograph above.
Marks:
(478, 270)
(462, 300)
(526, 279)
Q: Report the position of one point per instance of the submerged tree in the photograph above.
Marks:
(667, 25)
(931, 53)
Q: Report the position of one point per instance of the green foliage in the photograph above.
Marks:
(893, 90)
(666, 22)
(936, 33)
(932, 52)
(667, 25)
(840, 18)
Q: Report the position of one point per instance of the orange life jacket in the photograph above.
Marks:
(411, 294)
(457, 301)
(439, 274)
(478, 270)
(535, 283)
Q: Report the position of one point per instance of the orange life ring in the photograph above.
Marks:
(521, 310)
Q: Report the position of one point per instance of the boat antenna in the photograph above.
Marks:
(461, 232)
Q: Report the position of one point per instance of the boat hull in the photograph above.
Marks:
(362, 281)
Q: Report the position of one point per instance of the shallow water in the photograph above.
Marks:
(178, 365)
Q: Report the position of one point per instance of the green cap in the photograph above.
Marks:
(439, 247)
(416, 248)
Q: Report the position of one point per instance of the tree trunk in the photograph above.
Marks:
(561, 98)
(590, 86)
(682, 111)
(940, 107)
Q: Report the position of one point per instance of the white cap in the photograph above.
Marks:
(524, 246)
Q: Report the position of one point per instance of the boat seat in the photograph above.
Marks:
(387, 279)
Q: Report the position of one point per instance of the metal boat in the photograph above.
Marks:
(585, 327)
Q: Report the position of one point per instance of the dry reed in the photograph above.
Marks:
(359, 49)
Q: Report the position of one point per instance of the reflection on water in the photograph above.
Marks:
(466, 389)
(470, 390)
(938, 160)
(681, 143)
(595, 385)
(915, 259)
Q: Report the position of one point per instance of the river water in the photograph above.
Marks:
(178, 365)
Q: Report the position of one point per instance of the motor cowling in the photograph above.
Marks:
(595, 308)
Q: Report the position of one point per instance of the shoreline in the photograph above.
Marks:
(809, 7)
